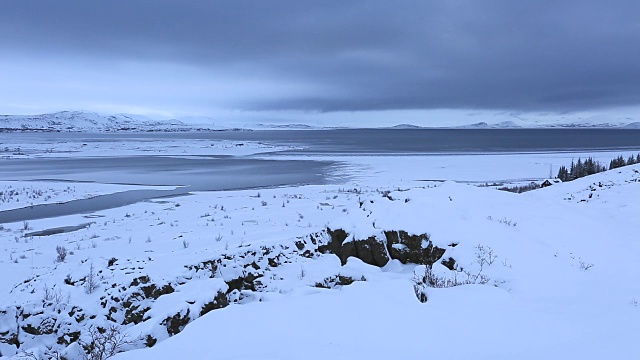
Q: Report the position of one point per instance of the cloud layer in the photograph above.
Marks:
(323, 55)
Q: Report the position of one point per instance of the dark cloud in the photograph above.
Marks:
(362, 55)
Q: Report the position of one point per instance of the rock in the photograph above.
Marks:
(334, 246)
(68, 338)
(417, 249)
(450, 263)
(150, 341)
(371, 250)
(176, 323)
(218, 302)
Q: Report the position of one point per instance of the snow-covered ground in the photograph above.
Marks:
(40, 148)
(558, 267)
(19, 194)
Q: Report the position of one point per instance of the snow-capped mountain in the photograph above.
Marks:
(83, 121)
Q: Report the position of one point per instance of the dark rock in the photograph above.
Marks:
(336, 280)
(29, 329)
(133, 315)
(417, 249)
(111, 261)
(372, 251)
(150, 341)
(10, 338)
(450, 263)
(219, 302)
(176, 323)
(140, 280)
(338, 247)
(345, 280)
(69, 338)
(347, 250)
(235, 284)
(157, 292)
(335, 244)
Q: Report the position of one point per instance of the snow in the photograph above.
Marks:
(384, 320)
(19, 194)
(90, 121)
(563, 283)
(86, 121)
(26, 148)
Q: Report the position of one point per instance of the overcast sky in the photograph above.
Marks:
(177, 58)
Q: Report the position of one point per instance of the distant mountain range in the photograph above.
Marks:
(83, 121)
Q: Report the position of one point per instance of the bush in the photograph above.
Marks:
(62, 253)
(91, 281)
(520, 189)
(105, 343)
(428, 279)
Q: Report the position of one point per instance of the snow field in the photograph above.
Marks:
(563, 282)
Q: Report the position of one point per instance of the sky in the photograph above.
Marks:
(319, 60)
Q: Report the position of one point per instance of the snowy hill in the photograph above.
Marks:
(84, 121)
(405, 127)
(501, 120)
(540, 275)
(91, 122)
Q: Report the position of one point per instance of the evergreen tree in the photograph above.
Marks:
(563, 173)
(617, 162)
(579, 169)
(590, 166)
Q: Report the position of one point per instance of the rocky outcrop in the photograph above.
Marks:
(370, 250)
(127, 296)
(415, 249)
(399, 245)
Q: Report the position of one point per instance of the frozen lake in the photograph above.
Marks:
(314, 160)
(381, 141)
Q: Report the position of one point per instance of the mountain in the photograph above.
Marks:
(405, 127)
(478, 125)
(633, 125)
(84, 121)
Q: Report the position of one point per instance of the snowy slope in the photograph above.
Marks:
(94, 122)
(90, 122)
(560, 284)
(564, 287)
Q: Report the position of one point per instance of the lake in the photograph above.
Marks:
(384, 141)
(211, 173)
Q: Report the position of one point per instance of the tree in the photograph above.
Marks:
(91, 281)
(617, 162)
(563, 173)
